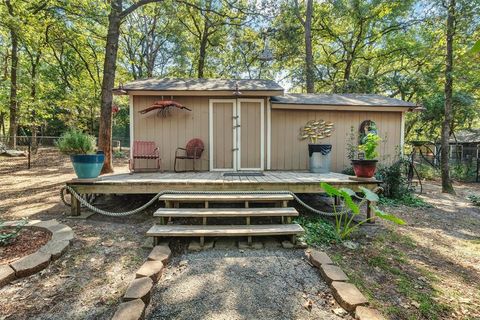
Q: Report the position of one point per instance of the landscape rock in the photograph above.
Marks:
(148, 243)
(63, 234)
(31, 264)
(332, 273)
(151, 269)
(7, 274)
(44, 224)
(255, 245)
(130, 310)
(160, 253)
(347, 295)
(287, 244)
(301, 244)
(139, 289)
(271, 243)
(224, 244)
(55, 248)
(364, 313)
(194, 245)
(317, 258)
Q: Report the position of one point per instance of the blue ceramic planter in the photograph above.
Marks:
(88, 166)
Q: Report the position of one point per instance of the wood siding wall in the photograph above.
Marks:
(290, 153)
(173, 131)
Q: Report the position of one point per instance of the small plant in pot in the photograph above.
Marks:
(366, 165)
(319, 158)
(81, 148)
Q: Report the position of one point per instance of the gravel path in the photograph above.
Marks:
(235, 284)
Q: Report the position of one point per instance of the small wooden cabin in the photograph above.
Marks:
(254, 124)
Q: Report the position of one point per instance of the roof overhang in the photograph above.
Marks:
(285, 106)
(200, 93)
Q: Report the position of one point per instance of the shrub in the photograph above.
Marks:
(474, 199)
(8, 234)
(427, 172)
(74, 142)
(463, 172)
(317, 230)
(395, 183)
(348, 171)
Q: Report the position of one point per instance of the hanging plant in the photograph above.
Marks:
(315, 130)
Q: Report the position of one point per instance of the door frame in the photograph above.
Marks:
(236, 123)
(262, 134)
(210, 133)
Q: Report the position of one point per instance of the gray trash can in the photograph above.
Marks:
(319, 157)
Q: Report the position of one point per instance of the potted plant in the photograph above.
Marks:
(366, 164)
(81, 148)
(319, 154)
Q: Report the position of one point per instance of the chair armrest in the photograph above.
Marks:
(176, 151)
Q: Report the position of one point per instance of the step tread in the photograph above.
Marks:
(226, 212)
(226, 197)
(224, 230)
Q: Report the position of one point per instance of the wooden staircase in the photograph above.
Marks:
(248, 229)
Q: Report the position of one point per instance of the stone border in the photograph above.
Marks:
(62, 235)
(138, 293)
(346, 294)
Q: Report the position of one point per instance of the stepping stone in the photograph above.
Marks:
(151, 269)
(63, 234)
(317, 258)
(364, 313)
(131, 310)
(55, 248)
(225, 244)
(160, 253)
(195, 245)
(148, 243)
(347, 295)
(31, 264)
(257, 245)
(7, 274)
(139, 289)
(332, 273)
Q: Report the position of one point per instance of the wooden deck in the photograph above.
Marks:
(153, 182)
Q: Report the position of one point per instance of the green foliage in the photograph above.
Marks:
(74, 142)
(463, 171)
(427, 172)
(408, 200)
(395, 184)
(318, 231)
(344, 217)
(474, 199)
(349, 171)
(8, 234)
(369, 147)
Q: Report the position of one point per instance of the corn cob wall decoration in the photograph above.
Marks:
(315, 130)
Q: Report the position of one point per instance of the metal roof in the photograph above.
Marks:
(167, 84)
(466, 136)
(353, 99)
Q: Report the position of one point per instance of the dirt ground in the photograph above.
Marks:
(427, 269)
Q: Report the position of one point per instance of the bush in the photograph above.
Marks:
(474, 199)
(348, 171)
(318, 231)
(74, 142)
(395, 183)
(427, 172)
(408, 200)
(463, 172)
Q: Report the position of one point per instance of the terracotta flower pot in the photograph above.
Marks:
(364, 168)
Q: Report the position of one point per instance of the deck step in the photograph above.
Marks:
(226, 197)
(224, 231)
(223, 212)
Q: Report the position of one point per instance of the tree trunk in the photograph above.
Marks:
(309, 67)
(12, 130)
(202, 53)
(446, 181)
(109, 66)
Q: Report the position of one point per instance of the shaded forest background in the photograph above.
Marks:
(56, 50)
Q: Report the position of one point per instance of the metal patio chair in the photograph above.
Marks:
(192, 151)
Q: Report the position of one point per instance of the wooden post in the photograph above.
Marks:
(75, 206)
(370, 214)
(168, 204)
(249, 238)
(336, 200)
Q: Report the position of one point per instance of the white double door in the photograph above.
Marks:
(236, 134)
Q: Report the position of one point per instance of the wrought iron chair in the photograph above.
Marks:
(192, 151)
(144, 150)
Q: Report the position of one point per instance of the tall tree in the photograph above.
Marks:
(448, 112)
(13, 125)
(307, 27)
(115, 18)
